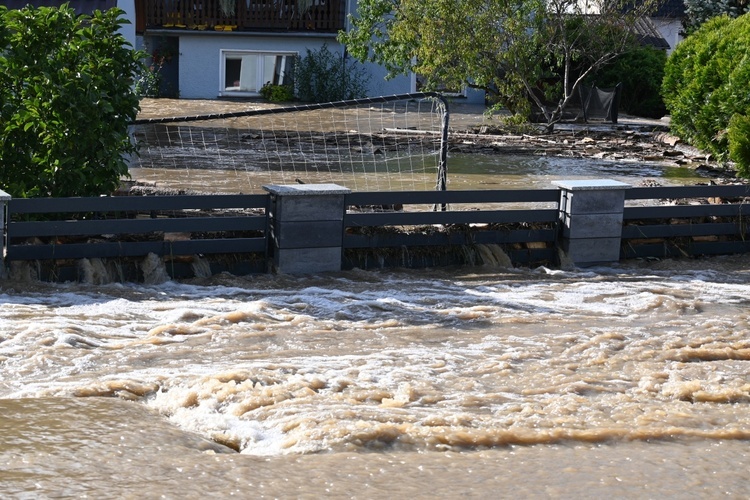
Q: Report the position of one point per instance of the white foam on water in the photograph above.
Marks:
(277, 365)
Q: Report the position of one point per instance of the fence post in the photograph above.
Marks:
(591, 213)
(307, 227)
(4, 199)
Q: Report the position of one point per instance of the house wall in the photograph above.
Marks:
(669, 29)
(128, 30)
(200, 62)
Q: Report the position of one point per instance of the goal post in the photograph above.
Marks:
(387, 143)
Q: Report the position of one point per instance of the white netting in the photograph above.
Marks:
(392, 143)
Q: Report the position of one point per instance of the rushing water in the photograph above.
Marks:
(629, 381)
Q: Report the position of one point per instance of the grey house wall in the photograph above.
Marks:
(200, 60)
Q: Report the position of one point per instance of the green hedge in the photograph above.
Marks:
(66, 99)
(640, 71)
(706, 83)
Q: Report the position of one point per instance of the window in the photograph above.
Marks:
(244, 72)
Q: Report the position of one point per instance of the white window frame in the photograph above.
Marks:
(261, 78)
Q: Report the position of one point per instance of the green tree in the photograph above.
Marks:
(706, 83)
(640, 71)
(739, 143)
(698, 12)
(67, 97)
(504, 47)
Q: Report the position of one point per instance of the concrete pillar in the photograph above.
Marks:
(591, 215)
(4, 199)
(307, 227)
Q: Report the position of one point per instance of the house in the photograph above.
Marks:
(668, 21)
(230, 48)
(648, 34)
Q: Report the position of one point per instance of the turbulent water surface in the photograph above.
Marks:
(630, 381)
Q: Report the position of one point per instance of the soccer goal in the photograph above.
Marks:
(391, 143)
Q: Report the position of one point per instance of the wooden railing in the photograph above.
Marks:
(243, 15)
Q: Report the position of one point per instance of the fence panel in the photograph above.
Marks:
(114, 227)
(705, 220)
(374, 231)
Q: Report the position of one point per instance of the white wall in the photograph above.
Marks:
(669, 29)
(128, 30)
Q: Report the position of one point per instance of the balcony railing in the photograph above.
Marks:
(243, 15)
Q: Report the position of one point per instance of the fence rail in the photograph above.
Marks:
(170, 225)
(532, 231)
(706, 220)
(716, 224)
(256, 15)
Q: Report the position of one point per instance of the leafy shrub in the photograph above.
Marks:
(705, 83)
(277, 93)
(739, 143)
(67, 97)
(148, 82)
(323, 76)
(641, 71)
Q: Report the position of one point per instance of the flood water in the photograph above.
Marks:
(465, 172)
(630, 381)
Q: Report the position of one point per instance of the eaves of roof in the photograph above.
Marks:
(647, 34)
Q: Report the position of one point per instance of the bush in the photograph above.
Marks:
(641, 71)
(705, 83)
(739, 143)
(323, 76)
(277, 93)
(67, 96)
(148, 82)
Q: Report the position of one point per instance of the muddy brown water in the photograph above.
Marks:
(629, 381)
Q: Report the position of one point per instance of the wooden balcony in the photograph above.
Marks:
(325, 16)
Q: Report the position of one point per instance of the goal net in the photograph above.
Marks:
(393, 143)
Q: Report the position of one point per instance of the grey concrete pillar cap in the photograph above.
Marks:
(591, 185)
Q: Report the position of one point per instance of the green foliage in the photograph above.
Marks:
(739, 143)
(277, 93)
(518, 125)
(705, 83)
(452, 43)
(698, 12)
(148, 81)
(505, 47)
(323, 76)
(641, 71)
(67, 97)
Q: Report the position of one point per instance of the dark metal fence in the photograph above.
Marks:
(527, 235)
(686, 221)
(130, 226)
(680, 221)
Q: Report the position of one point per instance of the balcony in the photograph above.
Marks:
(326, 16)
